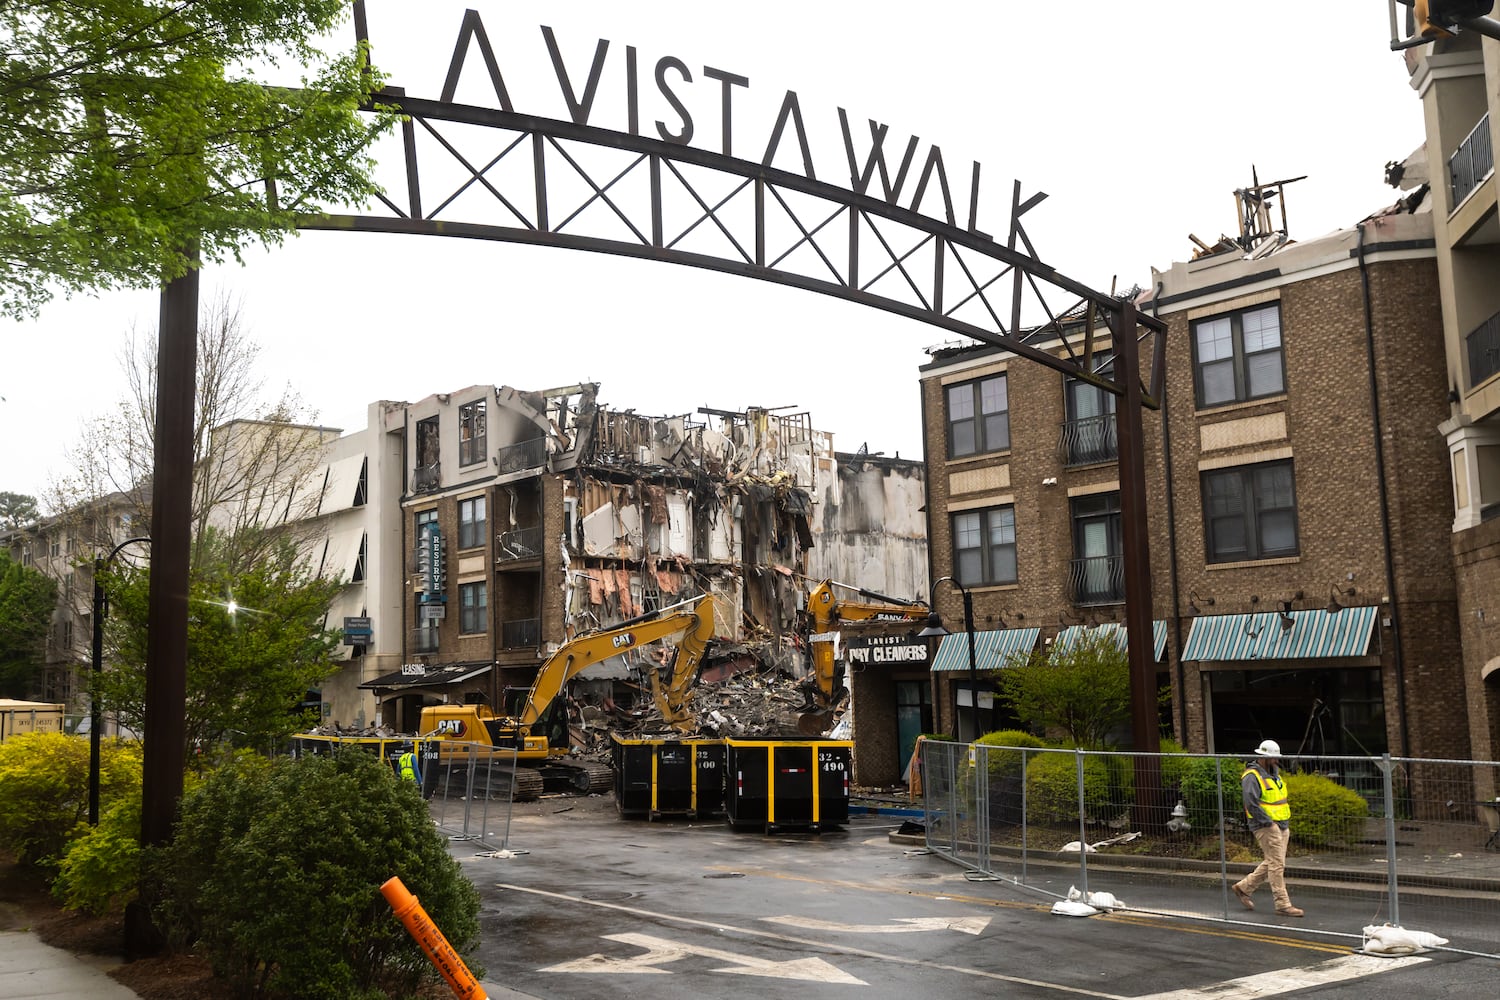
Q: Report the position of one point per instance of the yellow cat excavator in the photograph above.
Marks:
(825, 612)
(692, 620)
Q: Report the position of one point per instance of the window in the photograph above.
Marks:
(1250, 512)
(978, 417)
(471, 433)
(1097, 575)
(984, 546)
(1089, 435)
(359, 562)
(471, 523)
(419, 534)
(1238, 356)
(362, 488)
(54, 546)
(473, 602)
(428, 472)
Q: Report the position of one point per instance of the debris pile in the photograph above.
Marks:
(752, 704)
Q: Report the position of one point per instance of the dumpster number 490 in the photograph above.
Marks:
(830, 762)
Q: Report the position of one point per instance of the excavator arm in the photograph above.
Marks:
(696, 618)
(826, 612)
(671, 700)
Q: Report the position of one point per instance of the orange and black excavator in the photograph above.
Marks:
(825, 612)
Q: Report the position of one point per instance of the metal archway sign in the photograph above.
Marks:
(573, 185)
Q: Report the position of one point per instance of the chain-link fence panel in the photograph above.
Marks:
(1401, 842)
(471, 789)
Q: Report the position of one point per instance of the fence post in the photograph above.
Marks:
(1223, 834)
(950, 753)
(1083, 844)
(1025, 827)
(1390, 837)
(982, 805)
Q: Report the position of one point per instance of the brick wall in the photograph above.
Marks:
(1325, 420)
(1476, 555)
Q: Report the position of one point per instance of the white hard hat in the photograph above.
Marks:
(1268, 748)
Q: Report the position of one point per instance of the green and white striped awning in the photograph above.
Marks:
(1070, 635)
(992, 650)
(1260, 636)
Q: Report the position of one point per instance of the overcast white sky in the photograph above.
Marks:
(1137, 119)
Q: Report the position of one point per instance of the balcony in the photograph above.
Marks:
(520, 543)
(424, 640)
(521, 633)
(521, 457)
(1088, 440)
(429, 477)
(1483, 345)
(1096, 580)
(1471, 163)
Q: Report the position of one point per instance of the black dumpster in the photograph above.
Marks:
(668, 777)
(787, 783)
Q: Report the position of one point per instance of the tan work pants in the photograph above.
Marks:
(1273, 840)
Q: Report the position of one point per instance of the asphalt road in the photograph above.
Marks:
(604, 907)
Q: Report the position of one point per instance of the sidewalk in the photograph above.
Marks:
(30, 969)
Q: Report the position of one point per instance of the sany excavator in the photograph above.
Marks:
(825, 612)
(692, 620)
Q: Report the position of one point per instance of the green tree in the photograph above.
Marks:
(27, 598)
(135, 139)
(1083, 690)
(256, 643)
(16, 510)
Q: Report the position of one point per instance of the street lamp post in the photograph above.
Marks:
(96, 723)
(935, 628)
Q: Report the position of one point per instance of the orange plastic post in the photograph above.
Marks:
(420, 926)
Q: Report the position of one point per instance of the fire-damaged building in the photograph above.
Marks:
(530, 517)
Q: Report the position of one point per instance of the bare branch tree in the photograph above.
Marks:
(257, 465)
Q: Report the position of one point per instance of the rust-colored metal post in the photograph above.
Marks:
(167, 616)
(1136, 549)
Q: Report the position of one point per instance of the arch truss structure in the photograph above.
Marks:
(485, 173)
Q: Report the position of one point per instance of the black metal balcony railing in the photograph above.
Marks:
(1097, 580)
(519, 543)
(1088, 440)
(1483, 344)
(522, 633)
(424, 640)
(520, 457)
(429, 477)
(1472, 162)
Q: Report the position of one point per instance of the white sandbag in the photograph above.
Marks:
(1389, 939)
(1072, 908)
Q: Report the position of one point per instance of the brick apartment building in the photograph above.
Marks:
(1302, 583)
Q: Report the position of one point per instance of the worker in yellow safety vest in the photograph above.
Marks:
(1269, 813)
(408, 766)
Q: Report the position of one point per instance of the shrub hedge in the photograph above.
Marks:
(1324, 813)
(275, 873)
(44, 790)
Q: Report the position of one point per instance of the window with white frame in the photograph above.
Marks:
(984, 546)
(978, 417)
(1238, 356)
(1250, 512)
